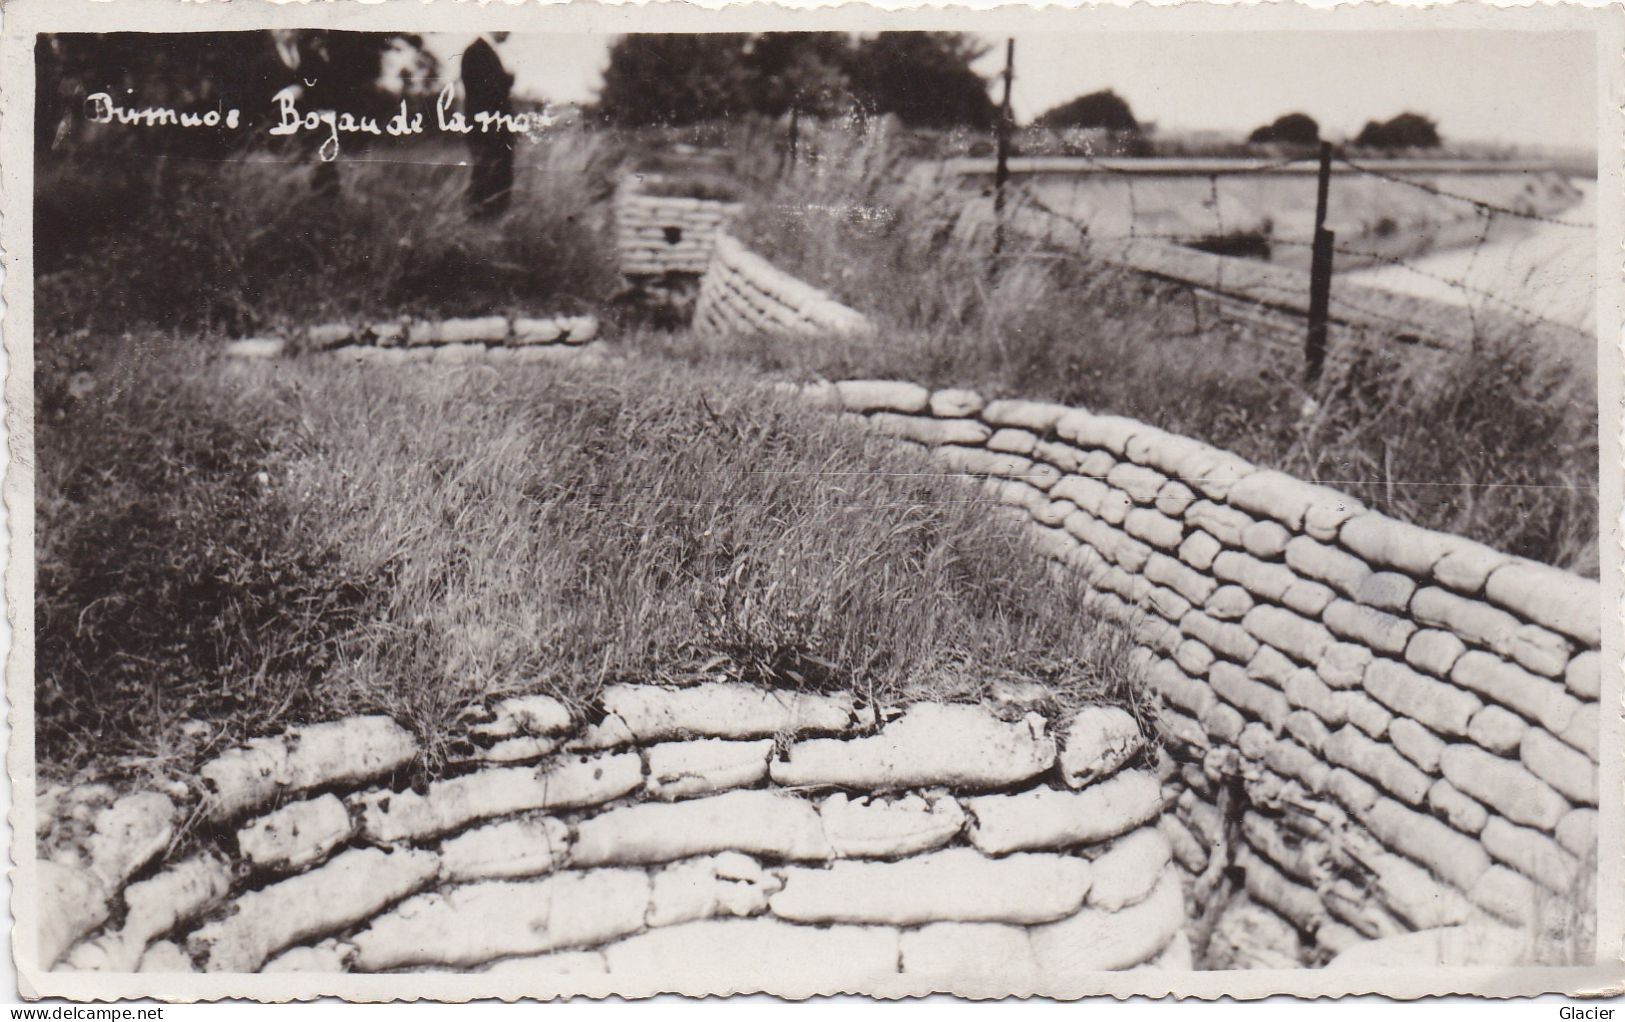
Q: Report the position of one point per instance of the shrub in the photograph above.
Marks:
(1104, 109)
(1405, 131)
(1288, 129)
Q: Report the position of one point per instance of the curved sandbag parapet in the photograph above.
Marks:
(1386, 729)
(706, 836)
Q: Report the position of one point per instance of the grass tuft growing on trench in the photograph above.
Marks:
(247, 547)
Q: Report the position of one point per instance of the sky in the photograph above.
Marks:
(1532, 88)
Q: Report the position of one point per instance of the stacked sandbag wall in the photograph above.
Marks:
(661, 234)
(742, 293)
(407, 340)
(713, 837)
(1386, 729)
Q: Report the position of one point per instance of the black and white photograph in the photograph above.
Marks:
(529, 503)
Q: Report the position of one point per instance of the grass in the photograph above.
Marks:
(1497, 444)
(252, 547)
(247, 246)
(224, 550)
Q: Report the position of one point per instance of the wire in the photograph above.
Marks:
(1377, 257)
(1131, 172)
(1458, 284)
(1479, 204)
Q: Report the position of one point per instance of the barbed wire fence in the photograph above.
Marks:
(1206, 261)
(1235, 259)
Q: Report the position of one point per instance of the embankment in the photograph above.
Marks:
(1405, 208)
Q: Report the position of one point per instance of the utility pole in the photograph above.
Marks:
(1001, 171)
(1320, 271)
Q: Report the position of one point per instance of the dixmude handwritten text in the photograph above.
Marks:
(291, 120)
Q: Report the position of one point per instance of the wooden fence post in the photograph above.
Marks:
(1320, 272)
(1001, 170)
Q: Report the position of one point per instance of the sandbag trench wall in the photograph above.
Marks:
(1386, 729)
(657, 235)
(457, 339)
(743, 293)
(713, 836)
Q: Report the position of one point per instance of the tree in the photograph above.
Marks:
(925, 78)
(411, 69)
(677, 78)
(693, 78)
(801, 71)
(1104, 109)
(1288, 129)
(1406, 131)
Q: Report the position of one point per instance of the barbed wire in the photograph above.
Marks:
(1480, 204)
(1133, 172)
(1462, 284)
(1459, 284)
(1284, 303)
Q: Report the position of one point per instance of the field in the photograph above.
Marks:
(224, 550)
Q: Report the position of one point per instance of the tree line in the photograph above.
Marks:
(1403, 131)
(924, 79)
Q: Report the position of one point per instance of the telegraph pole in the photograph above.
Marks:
(1001, 171)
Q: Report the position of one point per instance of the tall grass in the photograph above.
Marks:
(1497, 443)
(311, 540)
(174, 584)
(247, 245)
